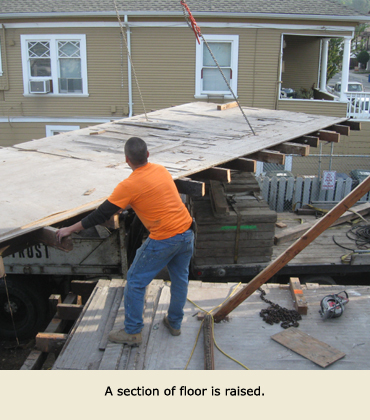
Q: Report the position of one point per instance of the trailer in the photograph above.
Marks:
(54, 182)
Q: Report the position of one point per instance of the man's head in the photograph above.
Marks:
(136, 151)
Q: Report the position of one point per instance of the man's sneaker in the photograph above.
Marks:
(122, 337)
(172, 330)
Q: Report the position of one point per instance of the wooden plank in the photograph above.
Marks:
(296, 231)
(360, 258)
(320, 226)
(50, 342)
(332, 136)
(345, 130)
(354, 125)
(241, 164)
(268, 156)
(68, 311)
(229, 105)
(218, 199)
(112, 316)
(209, 357)
(53, 302)
(217, 174)
(34, 361)
(312, 141)
(291, 148)
(299, 300)
(190, 187)
(309, 347)
(153, 294)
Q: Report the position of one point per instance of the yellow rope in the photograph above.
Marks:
(213, 332)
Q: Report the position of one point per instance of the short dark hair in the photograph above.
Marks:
(136, 150)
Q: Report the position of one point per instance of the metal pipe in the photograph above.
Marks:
(129, 74)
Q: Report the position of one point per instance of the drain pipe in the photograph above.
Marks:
(129, 76)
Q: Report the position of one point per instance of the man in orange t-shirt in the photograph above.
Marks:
(152, 194)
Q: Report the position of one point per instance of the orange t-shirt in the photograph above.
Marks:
(152, 193)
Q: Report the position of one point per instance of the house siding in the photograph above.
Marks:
(164, 61)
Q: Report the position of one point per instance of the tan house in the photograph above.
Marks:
(64, 65)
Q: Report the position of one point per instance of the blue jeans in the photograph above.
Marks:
(150, 259)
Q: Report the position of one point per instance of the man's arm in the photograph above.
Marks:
(103, 213)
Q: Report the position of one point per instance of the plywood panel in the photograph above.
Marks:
(44, 181)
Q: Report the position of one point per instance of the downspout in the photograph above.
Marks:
(4, 54)
(129, 76)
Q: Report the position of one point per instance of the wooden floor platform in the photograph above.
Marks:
(244, 336)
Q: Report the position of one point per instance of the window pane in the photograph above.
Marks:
(38, 49)
(221, 51)
(40, 67)
(70, 67)
(213, 80)
(39, 58)
(69, 49)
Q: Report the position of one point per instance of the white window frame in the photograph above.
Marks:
(63, 128)
(234, 40)
(53, 39)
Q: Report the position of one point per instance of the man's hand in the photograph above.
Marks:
(66, 231)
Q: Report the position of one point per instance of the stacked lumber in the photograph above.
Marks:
(240, 232)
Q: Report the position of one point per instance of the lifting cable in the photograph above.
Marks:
(190, 20)
(129, 56)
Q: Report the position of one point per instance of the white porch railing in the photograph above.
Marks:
(289, 194)
(358, 105)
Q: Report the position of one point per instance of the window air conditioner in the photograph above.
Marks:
(39, 86)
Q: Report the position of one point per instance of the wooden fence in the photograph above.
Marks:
(289, 194)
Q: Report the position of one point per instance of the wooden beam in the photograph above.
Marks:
(353, 125)
(47, 236)
(332, 136)
(320, 226)
(268, 156)
(312, 141)
(35, 360)
(241, 164)
(227, 106)
(50, 342)
(209, 358)
(299, 300)
(218, 174)
(190, 187)
(341, 129)
(69, 311)
(54, 300)
(291, 148)
(218, 199)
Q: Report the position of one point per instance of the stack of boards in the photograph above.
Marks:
(234, 223)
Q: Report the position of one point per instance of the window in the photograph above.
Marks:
(54, 64)
(209, 80)
(53, 130)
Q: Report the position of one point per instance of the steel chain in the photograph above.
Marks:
(275, 314)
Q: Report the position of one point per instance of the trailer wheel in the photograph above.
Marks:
(321, 279)
(27, 306)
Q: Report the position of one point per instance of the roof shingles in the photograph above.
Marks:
(289, 7)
